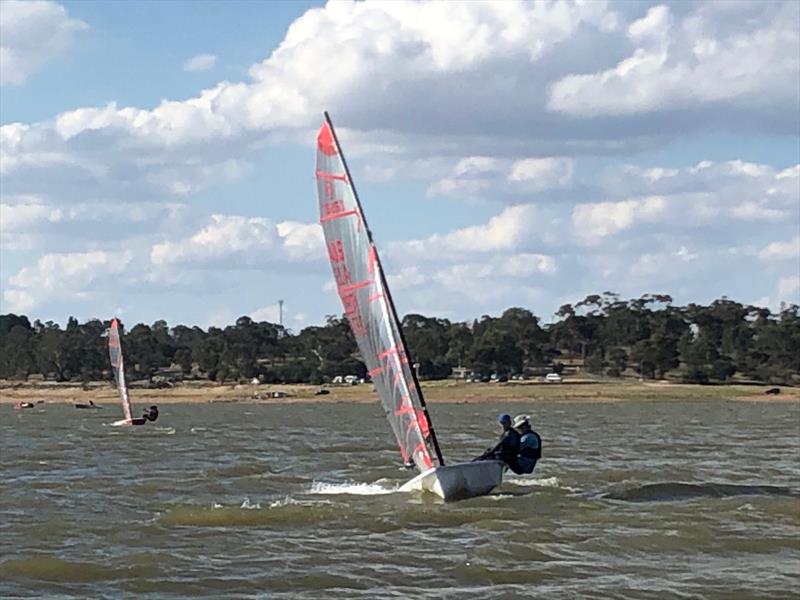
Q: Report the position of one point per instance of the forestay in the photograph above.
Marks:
(115, 352)
(361, 285)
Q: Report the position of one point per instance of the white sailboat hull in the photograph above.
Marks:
(459, 481)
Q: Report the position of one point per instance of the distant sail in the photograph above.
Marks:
(361, 285)
(115, 352)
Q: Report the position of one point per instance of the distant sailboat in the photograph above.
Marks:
(117, 365)
(369, 309)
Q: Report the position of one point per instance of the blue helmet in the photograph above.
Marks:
(504, 419)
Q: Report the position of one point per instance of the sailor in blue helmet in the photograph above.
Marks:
(150, 414)
(507, 448)
(530, 445)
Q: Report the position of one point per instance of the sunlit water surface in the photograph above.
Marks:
(632, 500)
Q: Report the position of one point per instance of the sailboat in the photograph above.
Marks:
(117, 365)
(370, 311)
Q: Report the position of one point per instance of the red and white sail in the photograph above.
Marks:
(115, 352)
(361, 285)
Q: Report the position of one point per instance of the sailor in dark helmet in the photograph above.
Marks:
(151, 414)
(508, 446)
(530, 445)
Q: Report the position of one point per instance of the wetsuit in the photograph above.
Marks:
(151, 414)
(506, 449)
(530, 451)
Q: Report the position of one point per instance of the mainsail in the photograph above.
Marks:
(368, 306)
(115, 352)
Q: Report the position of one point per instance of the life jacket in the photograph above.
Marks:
(527, 451)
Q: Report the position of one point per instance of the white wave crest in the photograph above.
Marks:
(350, 487)
(553, 482)
(498, 497)
(287, 501)
(247, 504)
(546, 482)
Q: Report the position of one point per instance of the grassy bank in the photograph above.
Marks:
(436, 391)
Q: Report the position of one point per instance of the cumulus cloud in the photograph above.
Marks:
(28, 221)
(201, 62)
(225, 236)
(61, 275)
(469, 178)
(543, 172)
(32, 33)
(512, 228)
(672, 264)
(188, 177)
(18, 301)
(474, 273)
(480, 264)
(270, 313)
(242, 241)
(402, 38)
(673, 229)
(490, 177)
(782, 250)
(16, 217)
(789, 289)
(592, 222)
(495, 57)
(720, 195)
(690, 61)
(504, 276)
(301, 241)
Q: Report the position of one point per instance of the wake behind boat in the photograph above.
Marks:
(118, 367)
(370, 310)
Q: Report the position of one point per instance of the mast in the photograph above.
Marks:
(389, 299)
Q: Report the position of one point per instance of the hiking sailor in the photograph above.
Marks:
(530, 446)
(507, 448)
(150, 414)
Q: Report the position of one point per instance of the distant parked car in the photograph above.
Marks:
(553, 378)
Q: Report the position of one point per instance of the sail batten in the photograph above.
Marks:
(118, 367)
(361, 285)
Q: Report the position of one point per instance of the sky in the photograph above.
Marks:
(157, 159)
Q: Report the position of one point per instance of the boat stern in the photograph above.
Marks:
(458, 481)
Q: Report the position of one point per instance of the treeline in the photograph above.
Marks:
(647, 337)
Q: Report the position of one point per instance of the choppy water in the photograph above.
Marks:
(632, 500)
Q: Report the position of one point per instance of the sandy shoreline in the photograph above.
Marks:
(437, 391)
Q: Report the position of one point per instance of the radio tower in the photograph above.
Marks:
(280, 313)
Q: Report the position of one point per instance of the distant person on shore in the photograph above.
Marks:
(507, 448)
(530, 446)
(150, 414)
